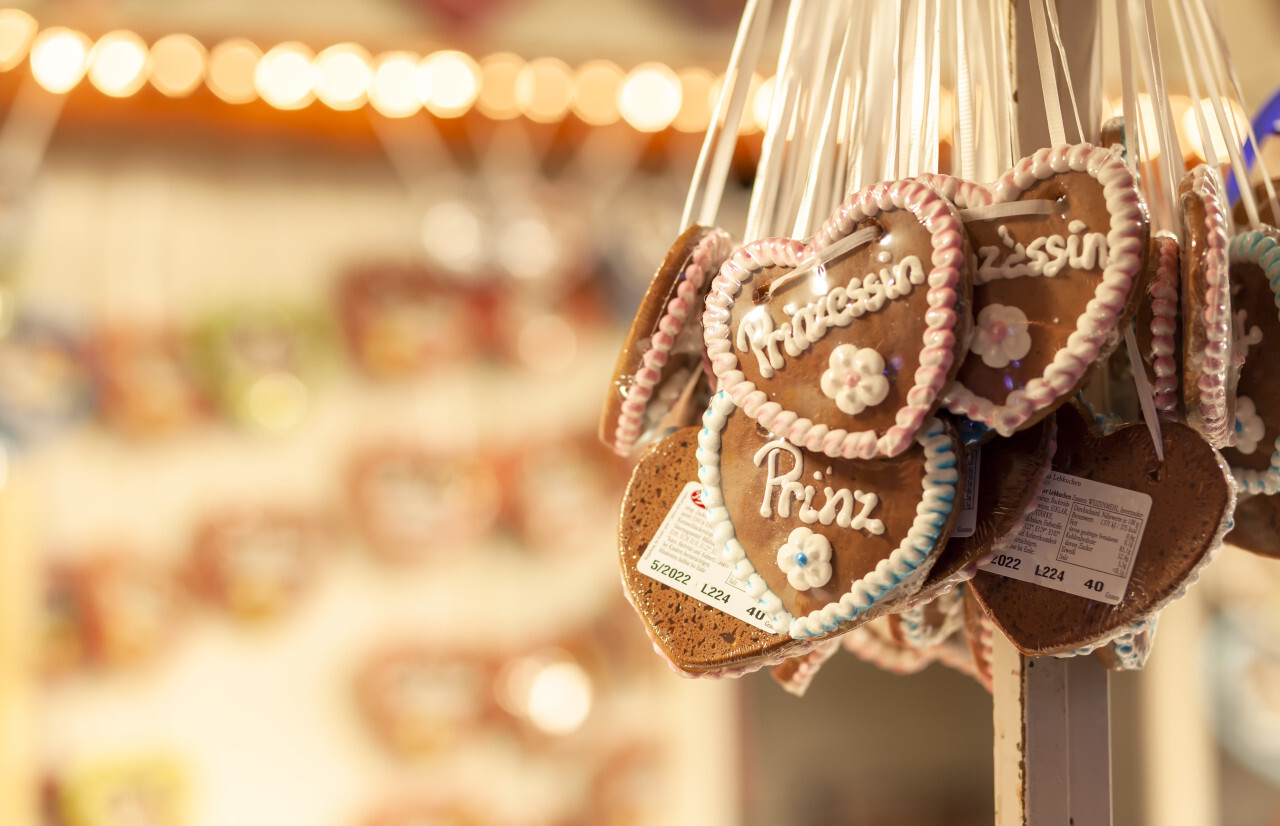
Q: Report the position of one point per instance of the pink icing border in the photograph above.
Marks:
(938, 345)
(1164, 325)
(1216, 426)
(807, 667)
(1098, 322)
(704, 259)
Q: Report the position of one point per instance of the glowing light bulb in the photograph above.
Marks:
(284, 76)
(595, 92)
(59, 57)
(448, 83)
(17, 30)
(1191, 130)
(559, 698)
(119, 63)
(394, 90)
(544, 90)
(649, 99)
(498, 76)
(343, 76)
(696, 103)
(761, 102)
(177, 64)
(231, 70)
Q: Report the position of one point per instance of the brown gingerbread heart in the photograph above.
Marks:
(1257, 525)
(1208, 365)
(1059, 242)
(1191, 500)
(694, 638)
(663, 350)
(842, 346)
(825, 544)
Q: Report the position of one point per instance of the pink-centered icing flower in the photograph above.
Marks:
(806, 559)
(1249, 425)
(856, 379)
(1000, 335)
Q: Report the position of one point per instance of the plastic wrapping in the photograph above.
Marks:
(663, 357)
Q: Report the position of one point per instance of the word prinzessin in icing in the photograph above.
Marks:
(1047, 256)
(839, 504)
(838, 308)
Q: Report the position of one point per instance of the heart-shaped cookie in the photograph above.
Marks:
(1191, 501)
(1208, 366)
(1255, 283)
(1257, 525)
(1008, 479)
(980, 634)
(843, 345)
(694, 638)
(1059, 241)
(1156, 327)
(796, 674)
(927, 624)
(824, 544)
(663, 351)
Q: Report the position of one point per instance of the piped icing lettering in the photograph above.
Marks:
(838, 504)
(1046, 256)
(837, 308)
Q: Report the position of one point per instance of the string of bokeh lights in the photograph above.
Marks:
(650, 97)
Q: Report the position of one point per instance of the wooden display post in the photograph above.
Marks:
(1052, 717)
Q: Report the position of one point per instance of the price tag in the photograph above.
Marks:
(967, 521)
(684, 556)
(1082, 539)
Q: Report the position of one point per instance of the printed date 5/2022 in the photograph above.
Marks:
(671, 573)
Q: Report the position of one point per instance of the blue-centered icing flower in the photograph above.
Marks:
(1249, 425)
(856, 379)
(1000, 335)
(806, 559)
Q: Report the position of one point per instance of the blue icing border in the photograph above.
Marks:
(1264, 250)
(938, 495)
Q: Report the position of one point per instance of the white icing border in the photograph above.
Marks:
(1211, 418)
(938, 346)
(1264, 250)
(702, 262)
(1097, 323)
(938, 496)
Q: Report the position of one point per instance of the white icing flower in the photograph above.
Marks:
(806, 559)
(1249, 425)
(1000, 335)
(856, 379)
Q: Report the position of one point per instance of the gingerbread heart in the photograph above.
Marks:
(663, 351)
(1255, 283)
(1208, 367)
(1191, 501)
(694, 638)
(842, 345)
(1009, 472)
(824, 544)
(1059, 241)
(928, 624)
(796, 674)
(1156, 327)
(1257, 525)
(980, 635)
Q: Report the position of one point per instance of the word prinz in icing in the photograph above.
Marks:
(838, 308)
(1047, 255)
(839, 504)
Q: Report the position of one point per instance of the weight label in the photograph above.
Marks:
(967, 521)
(684, 556)
(1082, 539)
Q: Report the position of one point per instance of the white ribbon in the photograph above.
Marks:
(828, 254)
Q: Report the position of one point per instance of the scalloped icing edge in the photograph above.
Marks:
(911, 619)
(1164, 295)
(1097, 322)
(703, 261)
(938, 352)
(1263, 249)
(896, 573)
(1212, 383)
